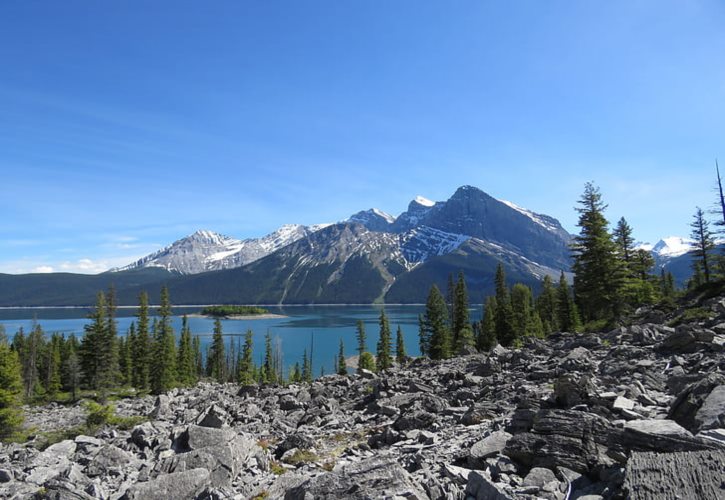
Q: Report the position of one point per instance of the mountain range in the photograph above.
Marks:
(370, 257)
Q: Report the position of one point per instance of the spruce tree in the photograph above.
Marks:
(400, 354)
(198, 358)
(567, 311)
(520, 305)
(361, 337)
(383, 358)
(92, 343)
(142, 346)
(163, 367)
(185, 366)
(546, 306)
(487, 331)
(53, 366)
(341, 368)
(623, 239)
(505, 332)
(217, 358)
(436, 325)
(246, 364)
(126, 355)
(704, 243)
(11, 389)
(462, 334)
(109, 372)
(423, 336)
(597, 271)
(269, 368)
(306, 368)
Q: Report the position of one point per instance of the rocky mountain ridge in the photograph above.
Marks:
(637, 412)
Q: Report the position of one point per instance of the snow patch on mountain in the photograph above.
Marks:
(423, 242)
(420, 200)
(541, 220)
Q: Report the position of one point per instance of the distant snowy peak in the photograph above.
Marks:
(545, 221)
(420, 200)
(672, 246)
(373, 219)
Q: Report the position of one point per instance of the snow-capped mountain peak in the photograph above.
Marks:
(538, 218)
(420, 200)
(672, 246)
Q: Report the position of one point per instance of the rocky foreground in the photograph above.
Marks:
(638, 412)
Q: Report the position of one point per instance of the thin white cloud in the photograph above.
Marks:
(43, 269)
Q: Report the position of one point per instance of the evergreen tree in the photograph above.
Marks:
(217, 359)
(546, 306)
(367, 362)
(11, 389)
(400, 354)
(126, 355)
(520, 301)
(505, 332)
(462, 334)
(567, 313)
(306, 368)
(450, 300)
(623, 239)
(53, 366)
(163, 367)
(92, 343)
(295, 376)
(246, 364)
(341, 364)
(597, 271)
(72, 368)
(198, 358)
(704, 243)
(383, 358)
(269, 371)
(109, 372)
(423, 336)
(185, 365)
(487, 332)
(361, 337)
(436, 325)
(142, 346)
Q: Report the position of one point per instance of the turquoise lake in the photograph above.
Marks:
(326, 324)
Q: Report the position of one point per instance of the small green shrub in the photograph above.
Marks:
(302, 456)
(99, 415)
(277, 468)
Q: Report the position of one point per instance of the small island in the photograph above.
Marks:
(238, 312)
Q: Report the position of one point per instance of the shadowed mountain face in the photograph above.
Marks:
(370, 257)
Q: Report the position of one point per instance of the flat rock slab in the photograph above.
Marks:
(185, 484)
(711, 414)
(665, 476)
(488, 447)
(373, 478)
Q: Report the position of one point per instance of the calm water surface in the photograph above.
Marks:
(326, 324)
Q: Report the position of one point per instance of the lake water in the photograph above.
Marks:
(327, 324)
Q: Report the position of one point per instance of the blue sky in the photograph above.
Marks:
(127, 125)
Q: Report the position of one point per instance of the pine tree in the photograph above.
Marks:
(623, 239)
(306, 368)
(400, 354)
(462, 334)
(163, 367)
(597, 271)
(450, 300)
(142, 346)
(185, 366)
(704, 243)
(505, 332)
(383, 358)
(11, 389)
(520, 305)
(361, 337)
(423, 336)
(70, 366)
(198, 358)
(217, 359)
(295, 375)
(93, 342)
(269, 369)
(436, 325)
(53, 366)
(109, 372)
(246, 364)
(126, 355)
(341, 364)
(567, 312)
(487, 332)
(546, 306)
